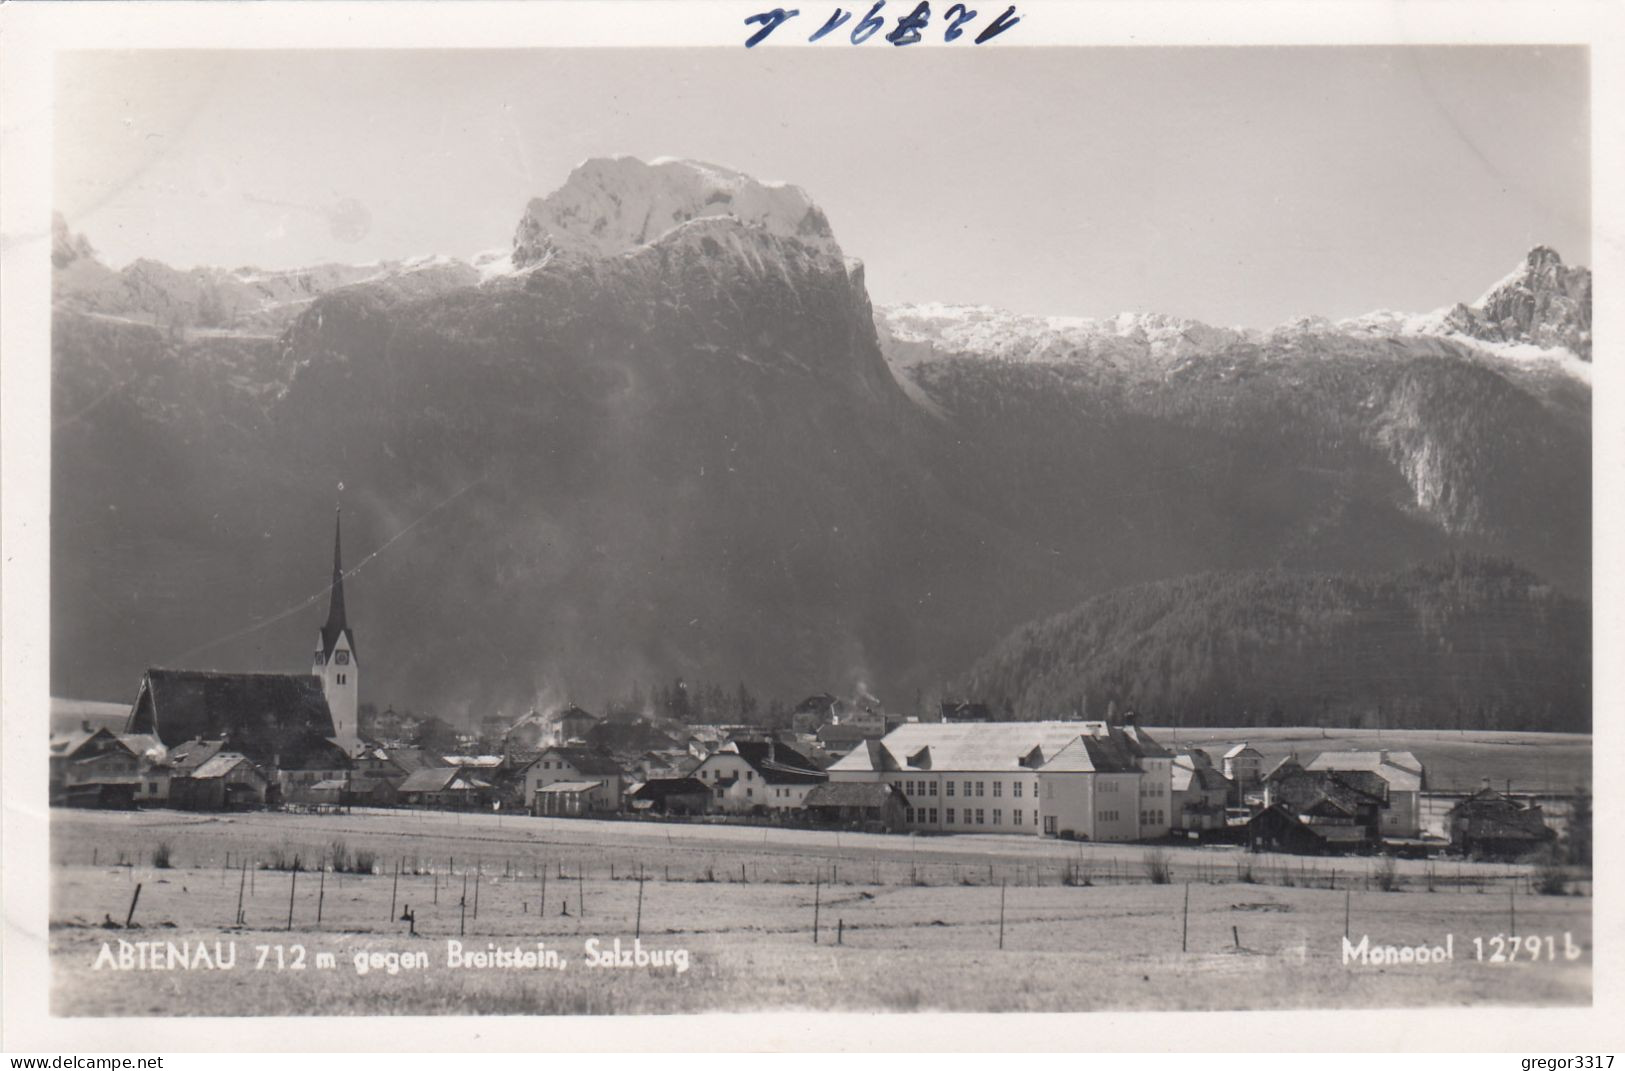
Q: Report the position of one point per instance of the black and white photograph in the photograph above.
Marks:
(879, 513)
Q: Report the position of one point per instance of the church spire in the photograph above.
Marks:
(336, 624)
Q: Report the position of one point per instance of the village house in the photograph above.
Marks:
(1495, 825)
(670, 796)
(227, 780)
(1199, 793)
(870, 806)
(1404, 776)
(746, 776)
(448, 788)
(603, 777)
(1243, 767)
(815, 711)
(1319, 810)
(1045, 778)
(98, 767)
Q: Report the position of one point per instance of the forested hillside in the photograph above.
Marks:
(1465, 642)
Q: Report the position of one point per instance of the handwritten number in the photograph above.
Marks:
(954, 32)
(999, 25)
(910, 25)
(907, 31)
(834, 23)
(770, 21)
(871, 23)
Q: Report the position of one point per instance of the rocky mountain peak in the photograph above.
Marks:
(616, 204)
(1542, 303)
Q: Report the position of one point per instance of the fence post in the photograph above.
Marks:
(1512, 908)
(130, 914)
(462, 908)
(321, 894)
(479, 869)
(817, 890)
(241, 882)
(393, 886)
(637, 929)
(581, 891)
(1185, 921)
(293, 883)
(1002, 884)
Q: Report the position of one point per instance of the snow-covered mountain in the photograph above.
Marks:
(665, 433)
(243, 301)
(616, 204)
(1539, 315)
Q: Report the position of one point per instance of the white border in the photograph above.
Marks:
(30, 34)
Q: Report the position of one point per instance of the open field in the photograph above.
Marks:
(1455, 761)
(917, 920)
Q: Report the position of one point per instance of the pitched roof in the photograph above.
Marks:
(1241, 747)
(1305, 789)
(585, 761)
(69, 743)
(570, 788)
(219, 765)
(658, 788)
(145, 745)
(1400, 769)
(853, 794)
(412, 759)
(435, 779)
(263, 712)
(1094, 754)
(336, 625)
(1140, 743)
(776, 762)
(1188, 775)
(188, 755)
(985, 746)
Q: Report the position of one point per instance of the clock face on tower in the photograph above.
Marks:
(343, 658)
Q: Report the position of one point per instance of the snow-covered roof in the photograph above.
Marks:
(1401, 769)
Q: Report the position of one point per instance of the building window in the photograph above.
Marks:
(998, 788)
(750, 792)
(979, 819)
(967, 789)
(908, 788)
(908, 815)
(950, 812)
(750, 775)
(933, 791)
(949, 792)
(1015, 790)
(1016, 816)
(933, 816)
(979, 785)
(1049, 825)
(998, 815)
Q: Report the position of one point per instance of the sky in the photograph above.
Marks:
(1241, 186)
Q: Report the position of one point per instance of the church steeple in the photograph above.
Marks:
(336, 625)
(335, 653)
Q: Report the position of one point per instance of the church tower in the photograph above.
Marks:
(335, 653)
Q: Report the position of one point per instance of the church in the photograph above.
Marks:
(301, 725)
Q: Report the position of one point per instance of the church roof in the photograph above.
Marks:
(261, 714)
(336, 625)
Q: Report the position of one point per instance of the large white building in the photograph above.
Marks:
(1088, 780)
